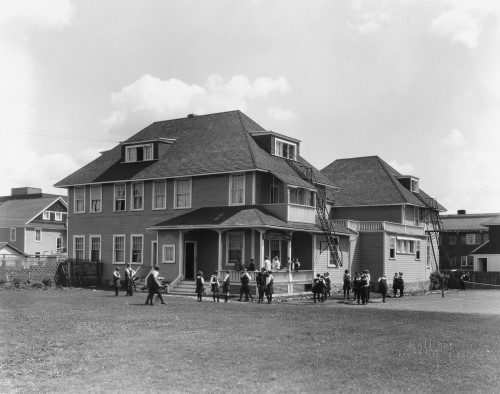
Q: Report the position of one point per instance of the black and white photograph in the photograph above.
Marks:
(261, 196)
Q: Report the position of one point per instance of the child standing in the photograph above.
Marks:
(199, 285)
(382, 286)
(328, 285)
(225, 286)
(347, 284)
(214, 282)
(269, 287)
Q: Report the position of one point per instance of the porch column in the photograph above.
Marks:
(289, 253)
(252, 252)
(313, 252)
(261, 242)
(219, 258)
(181, 253)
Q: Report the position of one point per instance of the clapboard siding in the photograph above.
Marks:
(389, 213)
(371, 253)
(414, 270)
(302, 249)
(321, 258)
(170, 271)
(47, 244)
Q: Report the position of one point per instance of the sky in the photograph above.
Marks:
(415, 82)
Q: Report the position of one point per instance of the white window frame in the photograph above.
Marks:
(278, 149)
(324, 246)
(238, 233)
(132, 237)
(61, 241)
(38, 234)
(164, 206)
(13, 234)
(393, 248)
(164, 254)
(418, 255)
(45, 214)
(232, 177)
(132, 158)
(91, 238)
(93, 198)
(124, 199)
(133, 196)
(405, 245)
(115, 237)
(58, 216)
(414, 187)
(463, 261)
(83, 246)
(190, 180)
(472, 239)
(76, 200)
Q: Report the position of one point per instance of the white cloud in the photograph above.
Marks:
(150, 98)
(455, 138)
(282, 115)
(370, 15)
(18, 92)
(460, 25)
(403, 168)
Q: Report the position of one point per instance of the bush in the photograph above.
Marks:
(47, 282)
(16, 282)
(37, 285)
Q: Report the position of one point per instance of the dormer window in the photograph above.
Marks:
(139, 153)
(285, 149)
(414, 185)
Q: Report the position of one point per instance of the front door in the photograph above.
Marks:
(483, 264)
(190, 259)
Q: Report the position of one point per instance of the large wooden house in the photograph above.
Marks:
(201, 193)
(397, 222)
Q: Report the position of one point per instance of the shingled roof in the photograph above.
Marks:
(19, 212)
(238, 216)
(202, 145)
(371, 181)
(467, 222)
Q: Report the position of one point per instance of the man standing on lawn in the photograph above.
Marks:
(129, 279)
(154, 286)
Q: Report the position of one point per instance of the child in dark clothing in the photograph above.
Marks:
(200, 285)
(214, 283)
(328, 285)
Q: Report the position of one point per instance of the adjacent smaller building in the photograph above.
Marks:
(461, 234)
(487, 257)
(34, 222)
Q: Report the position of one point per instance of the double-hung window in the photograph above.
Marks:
(285, 149)
(120, 195)
(38, 235)
(79, 199)
(58, 216)
(417, 250)
(95, 247)
(46, 215)
(159, 195)
(136, 244)
(237, 189)
(13, 234)
(59, 244)
(79, 247)
(182, 193)
(168, 254)
(473, 239)
(235, 247)
(137, 196)
(118, 249)
(392, 247)
(139, 153)
(96, 198)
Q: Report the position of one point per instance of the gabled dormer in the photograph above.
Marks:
(277, 144)
(410, 182)
(144, 150)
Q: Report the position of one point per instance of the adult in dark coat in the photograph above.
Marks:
(395, 284)
(401, 284)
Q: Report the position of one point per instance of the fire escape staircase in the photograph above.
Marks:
(431, 217)
(307, 174)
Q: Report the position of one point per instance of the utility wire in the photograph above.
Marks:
(53, 134)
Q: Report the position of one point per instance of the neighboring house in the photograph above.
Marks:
(487, 256)
(201, 193)
(9, 251)
(460, 235)
(397, 221)
(33, 222)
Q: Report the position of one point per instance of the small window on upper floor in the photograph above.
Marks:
(139, 153)
(285, 149)
(414, 185)
(46, 215)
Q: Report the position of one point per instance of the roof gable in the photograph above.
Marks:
(17, 213)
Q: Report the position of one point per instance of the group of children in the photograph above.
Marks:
(264, 279)
(321, 287)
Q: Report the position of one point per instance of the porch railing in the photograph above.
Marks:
(280, 277)
(381, 226)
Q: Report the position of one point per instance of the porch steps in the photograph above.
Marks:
(185, 287)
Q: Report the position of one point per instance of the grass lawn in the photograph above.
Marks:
(90, 341)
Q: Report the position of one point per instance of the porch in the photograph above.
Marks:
(285, 282)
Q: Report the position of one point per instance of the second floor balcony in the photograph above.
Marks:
(381, 226)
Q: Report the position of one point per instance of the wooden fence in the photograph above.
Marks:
(479, 280)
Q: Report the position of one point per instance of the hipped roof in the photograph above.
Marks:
(369, 180)
(202, 145)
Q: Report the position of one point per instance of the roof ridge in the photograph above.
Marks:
(392, 177)
(247, 136)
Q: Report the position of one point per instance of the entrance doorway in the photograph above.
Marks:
(190, 259)
(483, 264)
